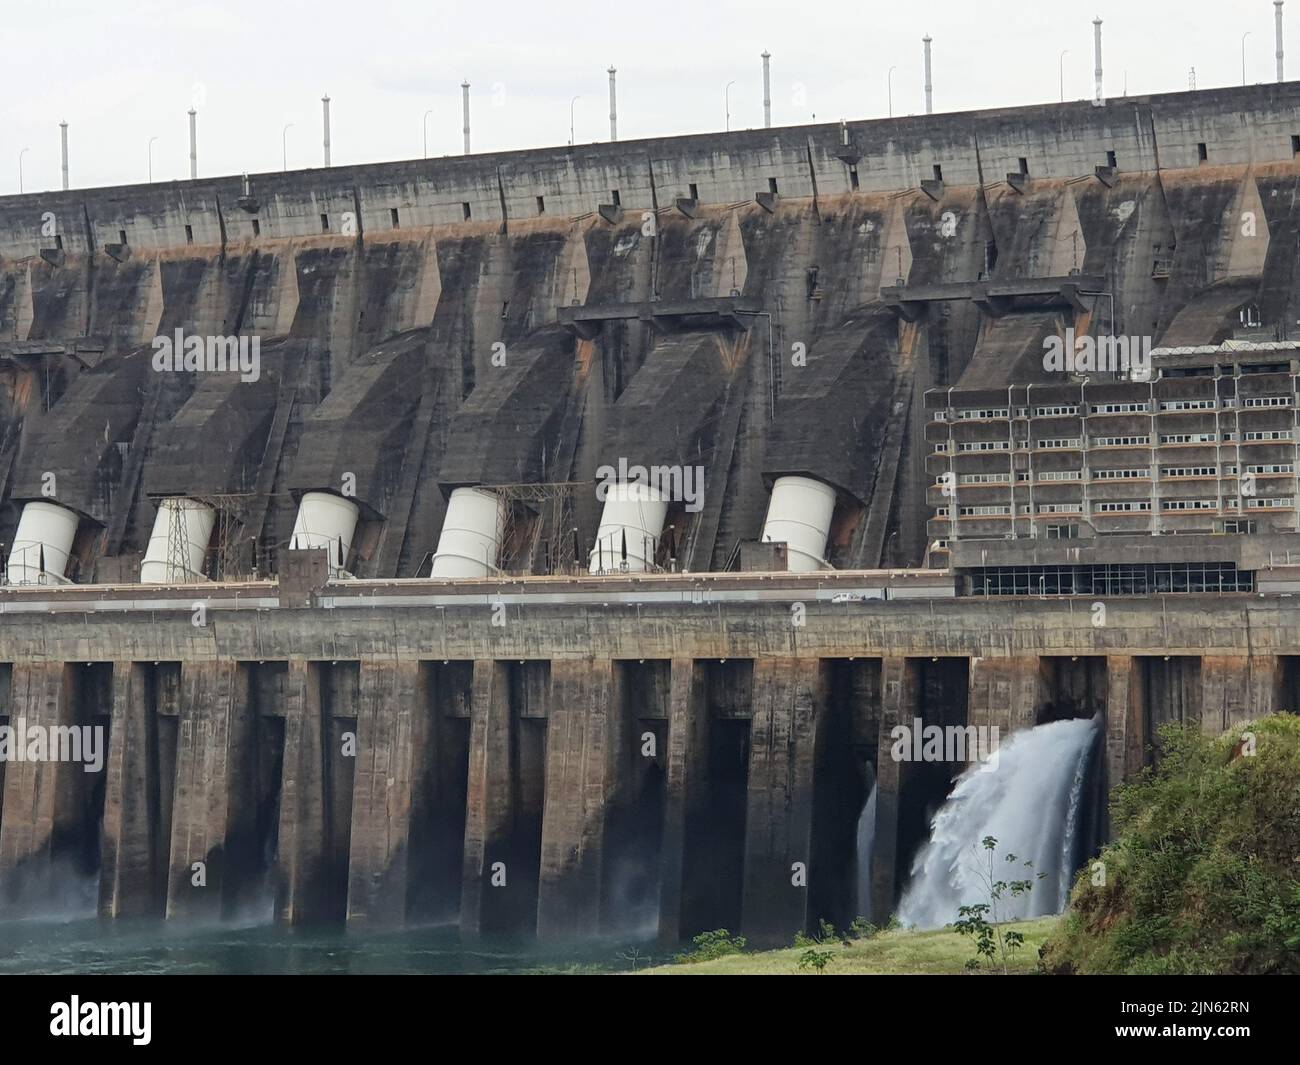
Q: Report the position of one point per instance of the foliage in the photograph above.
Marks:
(1203, 874)
(709, 945)
(815, 959)
(984, 920)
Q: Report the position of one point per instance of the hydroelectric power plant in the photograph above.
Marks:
(318, 500)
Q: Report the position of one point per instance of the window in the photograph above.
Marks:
(1267, 401)
(938, 172)
(1120, 408)
(986, 511)
(1187, 438)
(1120, 475)
(1241, 525)
(465, 210)
(324, 223)
(1057, 443)
(615, 197)
(58, 240)
(1122, 441)
(541, 204)
(1110, 160)
(392, 217)
(1201, 154)
(1188, 471)
(1125, 507)
(1270, 504)
(1024, 166)
(984, 445)
(984, 478)
(189, 234)
(853, 178)
(1274, 467)
(1064, 409)
(1059, 475)
(1058, 508)
(1186, 404)
(982, 413)
(1063, 532)
(695, 194)
(771, 185)
(257, 228)
(121, 236)
(1188, 504)
(1269, 434)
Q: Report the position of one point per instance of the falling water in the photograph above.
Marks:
(866, 841)
(1031, 803)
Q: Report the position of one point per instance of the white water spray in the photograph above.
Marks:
(1031, 804)
(866, 843)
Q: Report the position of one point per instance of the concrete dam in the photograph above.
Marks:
(320, 503)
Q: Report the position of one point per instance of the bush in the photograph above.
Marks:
(709, 945)
(1203, 875)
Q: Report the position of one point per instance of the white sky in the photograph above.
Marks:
(123, 71)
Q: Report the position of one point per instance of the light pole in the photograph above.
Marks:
(726, 98)
(151, 140)
(1060, 71)
(571, 103)
(889, 84)
(20, 168)
(284, 145)
(424, 129)
(1243, 56)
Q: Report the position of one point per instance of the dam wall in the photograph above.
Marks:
(521, 765)
(520, 318)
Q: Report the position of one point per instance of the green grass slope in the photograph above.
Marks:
(938, 952)
(1203, 875)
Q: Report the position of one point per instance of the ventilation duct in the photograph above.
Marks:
(629, 529)
(326, 521)
(470, 543)
(42, 544)
(178, 544)
(799, 515)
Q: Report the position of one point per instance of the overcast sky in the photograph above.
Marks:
(123, 71)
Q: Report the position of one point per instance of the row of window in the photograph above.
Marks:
(1113, 579)
(1074, 442)
(1120, 506)
(1066, 410)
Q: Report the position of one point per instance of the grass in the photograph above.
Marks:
(906, 953)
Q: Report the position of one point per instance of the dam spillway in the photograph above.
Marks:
(660, 712)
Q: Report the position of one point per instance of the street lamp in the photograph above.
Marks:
(889, 83)
(726, 96)
(571, 103)
(151, 140)
(1060, 70)
(1243, 56)
(424, 129)
(20, 168)
(284, 146)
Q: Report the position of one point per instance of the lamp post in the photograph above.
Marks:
(1060, 71)
(889, 84)
(1243, 56)
(726, 98)
(284, 146)
(571, 103)
(151, 140)
(424, 130)
(20, 168)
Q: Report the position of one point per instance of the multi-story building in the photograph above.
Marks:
(1208, 444)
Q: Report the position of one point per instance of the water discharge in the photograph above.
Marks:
(1031, 804)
